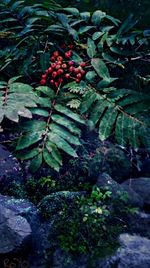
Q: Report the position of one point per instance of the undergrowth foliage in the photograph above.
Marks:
(86, 92)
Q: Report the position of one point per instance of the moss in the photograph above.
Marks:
(90, 225)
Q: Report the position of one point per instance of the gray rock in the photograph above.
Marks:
(104, 180)
(111, 159)
(141, 186)
(9, 166)
(15, 231)
(54, 202)
(134, 252)
(145, 168)
(139, 223)
(23, 232)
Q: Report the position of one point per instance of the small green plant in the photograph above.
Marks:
(92, 225)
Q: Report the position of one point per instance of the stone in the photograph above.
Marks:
(15, 231)
(134, 252)
(9, 166)
(139, 223)
(145, 168)
(54, 202)
(111, 159)
(104, 180)
(142, 187)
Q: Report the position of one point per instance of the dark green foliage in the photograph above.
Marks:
(49, 134)
(92, 224)
(31, 32)
(24, 31)
(15, 100)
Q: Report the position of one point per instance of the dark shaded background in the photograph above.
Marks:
(118, 8)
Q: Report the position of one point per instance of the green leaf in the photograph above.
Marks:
(13, 79)
(121, 130)
(69, 113)
(90, 76)
(97, 35)
(66, 123)
(85, 29)
(72, 10)
(105, 82)
(107, 123)
(114, 20)
(113, 60)
(97, 111)
(1, 115)
(28, 139)
(91, 48)
(85, 16)
(126, 25)
(36, 163)
(76, 58)
(90, 98)
(44, 61)
(20, 88)
(64, 134)
(12, 114)
(101, 68)
(62, 144)
(44, 102)
(52, 148)
(97, 17)
(39, 111)
(25, 112)
(50, 160)
(28, 155)
(46, 90)
(33, 126)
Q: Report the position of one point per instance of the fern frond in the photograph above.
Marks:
(120, 112)
(15, 100)
(46, 138)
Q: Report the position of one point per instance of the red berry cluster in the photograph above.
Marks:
(62, 69)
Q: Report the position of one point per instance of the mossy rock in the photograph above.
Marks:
(55, 202)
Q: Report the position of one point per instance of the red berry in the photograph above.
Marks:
(56, 53)
(60, 71)
(50, 69)
(70, 52)
(44, 76)
(60, 80)
(70, 46)
(70, 63)
(67, 55)
(77, 80)
(64, 65)
(47, 71)
(54, 74)
(57, 67)
(52, 82)
(53, 65)
(52, 58)
(71, 69)
(59, 58)
(59, 62)
(82, 71)
(43, 82)
(63, 46)
(67, 76)
(79, 75)
(82, 64)
(77, 70)
(56, 84)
